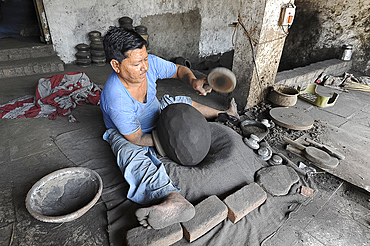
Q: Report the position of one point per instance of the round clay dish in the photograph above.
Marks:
(291, 118)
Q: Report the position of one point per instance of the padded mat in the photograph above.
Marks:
(229, 166)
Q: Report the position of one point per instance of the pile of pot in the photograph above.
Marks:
(83, 55)
(126, 22)
(97, 48)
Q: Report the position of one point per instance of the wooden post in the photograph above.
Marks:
(43, 22)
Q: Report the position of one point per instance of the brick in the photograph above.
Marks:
(141, 236)
(244, 201)
(208, 213)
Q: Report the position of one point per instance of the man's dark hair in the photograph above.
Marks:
(118, 41)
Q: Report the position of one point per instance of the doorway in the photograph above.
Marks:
(21, 19)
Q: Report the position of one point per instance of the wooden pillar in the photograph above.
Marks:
(258, 41)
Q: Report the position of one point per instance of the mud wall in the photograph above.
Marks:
(321, 27)
(175, 27)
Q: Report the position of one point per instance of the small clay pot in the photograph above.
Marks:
(82, 47)
(83, 62)
(83, 55)
(97, 46)
(98, 53)
(125, 20)
(142, 30)
(99, 61)
(283, 96)
(94, 35)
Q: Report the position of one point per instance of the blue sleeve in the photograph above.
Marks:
(118, 108)
(164, 69)
(124, 118)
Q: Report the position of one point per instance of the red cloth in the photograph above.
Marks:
(55, 96)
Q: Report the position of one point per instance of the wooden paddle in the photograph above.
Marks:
(311, 153)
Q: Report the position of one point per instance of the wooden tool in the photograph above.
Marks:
(326, 148)
(311, 153)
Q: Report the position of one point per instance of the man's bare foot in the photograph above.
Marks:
(174, 208)
(233, 110)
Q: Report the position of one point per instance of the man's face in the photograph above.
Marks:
(133, 69)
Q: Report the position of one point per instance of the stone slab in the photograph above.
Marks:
(244, 201)
(167, 236)
(305, 75)
(277, 180)
(351, 140)
(208, 213)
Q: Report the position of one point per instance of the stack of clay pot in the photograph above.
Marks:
(97, 49)
(143, 31)
(83, 55)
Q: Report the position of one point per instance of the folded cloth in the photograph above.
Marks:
(55, 96)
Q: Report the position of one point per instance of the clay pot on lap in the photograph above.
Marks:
(183, 134)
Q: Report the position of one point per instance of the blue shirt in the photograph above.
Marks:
(123, 112)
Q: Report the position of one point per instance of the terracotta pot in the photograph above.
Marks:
(283, 96)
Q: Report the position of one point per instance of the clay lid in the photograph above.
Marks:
(291, 118)
(222, 80)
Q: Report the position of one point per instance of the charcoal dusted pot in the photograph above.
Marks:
(183, 134)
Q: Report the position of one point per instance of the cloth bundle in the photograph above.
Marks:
(55, 96)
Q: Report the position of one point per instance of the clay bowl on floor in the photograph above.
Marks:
(283, 96)
(254, 127)
(64, 195)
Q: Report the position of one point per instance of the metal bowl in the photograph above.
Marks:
(254, 127)
(64, 195)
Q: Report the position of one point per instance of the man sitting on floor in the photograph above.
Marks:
(131, 110)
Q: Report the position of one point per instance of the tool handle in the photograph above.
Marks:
(294, 150)
(298, 145)
(316, 144)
